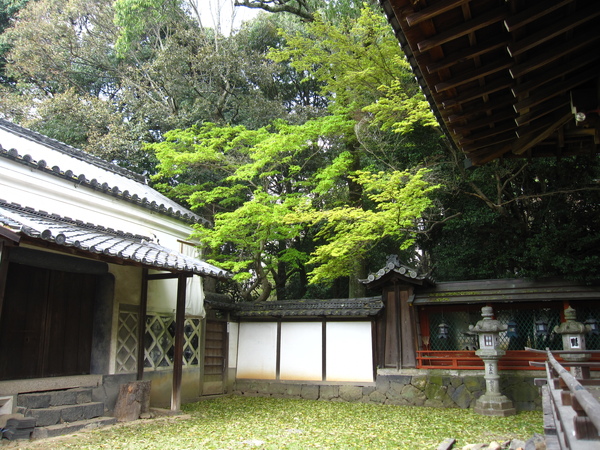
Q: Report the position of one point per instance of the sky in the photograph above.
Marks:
(213, 12)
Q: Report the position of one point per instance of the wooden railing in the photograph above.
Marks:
(571, 412)
(468, 360)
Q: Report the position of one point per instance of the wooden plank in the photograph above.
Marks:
(473, 75)
(534, 13)
(179, 341)
(434, 10)
(542, 110)
(557, 72)
(141, 324)
(494, 130)
(539, 96)
(556, 29)
(554, 54)
(528, 141)
(466, 54)
(489, 18)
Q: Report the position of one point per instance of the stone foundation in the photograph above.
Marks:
(417, 389)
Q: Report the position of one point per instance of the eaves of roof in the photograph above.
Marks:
(395, 269)
(86, 239)
(296, 309)
(505, 291)
(114, 174)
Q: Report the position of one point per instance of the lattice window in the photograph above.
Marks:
(460, 338)
(159, 341)
(127, 340)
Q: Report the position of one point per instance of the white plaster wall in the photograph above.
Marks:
(233, 329)
(257, 350)
(349, 351)
(301, 351)
(38, 190)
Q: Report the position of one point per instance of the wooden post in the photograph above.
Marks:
(4, 249)
(178, 354)
(141, 353)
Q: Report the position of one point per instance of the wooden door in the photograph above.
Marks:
(215, 358)
(46, 326)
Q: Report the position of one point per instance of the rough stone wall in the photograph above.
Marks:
(443, 391)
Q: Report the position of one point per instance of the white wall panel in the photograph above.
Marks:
(301, 351)
(233, 329)
(257, 350)
(349, 351)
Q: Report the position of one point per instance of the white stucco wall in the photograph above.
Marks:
(257, 351)
(301, 351)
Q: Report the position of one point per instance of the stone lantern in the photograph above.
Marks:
(492, 403)
(573, 338)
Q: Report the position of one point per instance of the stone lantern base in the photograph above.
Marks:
(494, 405)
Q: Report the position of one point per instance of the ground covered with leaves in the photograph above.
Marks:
(267, 423)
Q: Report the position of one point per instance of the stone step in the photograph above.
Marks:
(72, 427)
(55, 398)
(67, 413)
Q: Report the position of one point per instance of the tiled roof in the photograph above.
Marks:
(81, 168)
(98, 240)
(353, 307)
(394, 266)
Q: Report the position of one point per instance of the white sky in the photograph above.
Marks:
(215, 12)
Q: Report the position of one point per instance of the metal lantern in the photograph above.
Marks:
(592, 326)
(541, 327)
(511, 330)
(443, 330)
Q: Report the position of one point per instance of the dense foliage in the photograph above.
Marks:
(303, 137)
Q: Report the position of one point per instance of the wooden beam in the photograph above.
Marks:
(179, 340)
(466, 54)
(141, 324)
(542, 95)
(476, 74)
(559, 71)
(477, 92)
(484, 121)
(554, 30)
(542, 110)
(490, 141)
(529, 141)
(555, 53)
(534, 13)
(495, 130)
(434, 10)
(489, 18)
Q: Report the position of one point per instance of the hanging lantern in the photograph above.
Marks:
(541, 327)
(592, 326)
(443, 330)
(511, 330)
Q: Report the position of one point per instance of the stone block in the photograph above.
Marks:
(377, 397)
(328, 392)
(419, 381)
(368, 390)
(310, 392)
(397, 387)
(74, 413)
(435, 392)
(474, 383)
(45, 416)
(67, 397)
(31, 401)
(350, 393)
(462, 397)
(401, 379)
(383, 383)
(413, 395)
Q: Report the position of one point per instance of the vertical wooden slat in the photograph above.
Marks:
(278, 352)
(4, 253)
(178, 354)
(324, 351)
(141, 331)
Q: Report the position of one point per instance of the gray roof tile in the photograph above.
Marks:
(100, 240)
